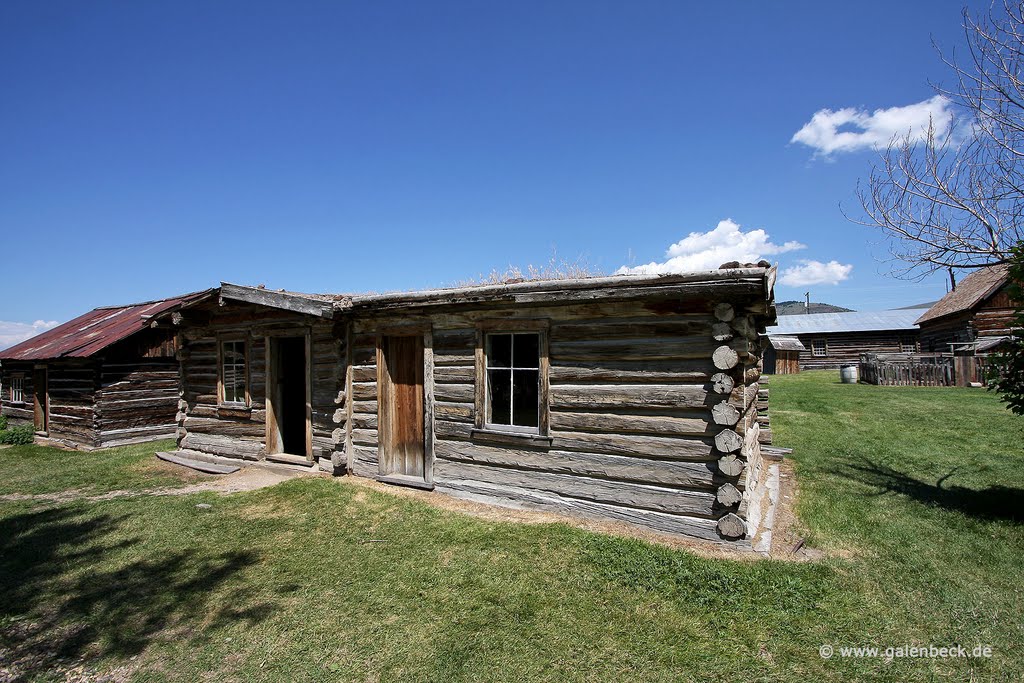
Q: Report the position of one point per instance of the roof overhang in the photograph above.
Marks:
(289, 301)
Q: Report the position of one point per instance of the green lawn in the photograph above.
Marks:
(36, 470)
(914, 493)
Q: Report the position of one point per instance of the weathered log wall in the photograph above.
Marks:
(204, 424)
(844, 348)
(72, 410)
(653, 411)
(19, 413)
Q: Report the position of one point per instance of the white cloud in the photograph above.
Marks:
(815, 273)
(850, 129)
(709, 250)
(12, 333)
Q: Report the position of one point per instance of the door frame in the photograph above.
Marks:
(272, 446)
(424, 331)
(41, 410)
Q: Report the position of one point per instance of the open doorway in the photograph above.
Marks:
(40, 400)
(288, 398)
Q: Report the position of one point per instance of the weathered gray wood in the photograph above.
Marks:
(721, 332)
(689, 474)
(724, 312)
(725, 414)
(695, 423)
(681, 371)
(648, 497)
(288, 301)
(666, 395)
(728, 441)
(732, 526)
(669, 447)
(728, 495)
(722, 383)
(641, 349)
(517, 496)
(730, 465)
(725, 358)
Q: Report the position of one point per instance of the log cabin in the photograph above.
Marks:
(831, 340)
(979, 312)
(107, 378)
(782, 354)
(624, 398)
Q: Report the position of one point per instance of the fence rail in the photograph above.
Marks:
(908, 370)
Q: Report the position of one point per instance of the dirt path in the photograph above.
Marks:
(248, 478)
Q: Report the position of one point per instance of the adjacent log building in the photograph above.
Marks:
(629, 398)
(978, 313)
(106, 378)
(831, 340)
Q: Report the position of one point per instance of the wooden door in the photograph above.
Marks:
(40, 399)
(400, 408)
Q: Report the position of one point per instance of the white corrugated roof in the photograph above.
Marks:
(853, 321)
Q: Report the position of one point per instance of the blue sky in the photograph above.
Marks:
(148, 149)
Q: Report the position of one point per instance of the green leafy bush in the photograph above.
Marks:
(3, 423)
(17, 436)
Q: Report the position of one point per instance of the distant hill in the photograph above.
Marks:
(797, 308)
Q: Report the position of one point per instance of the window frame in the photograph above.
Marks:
(824, 348)
(529, 326)
(19, 378)
(221, 385)
(905, 342)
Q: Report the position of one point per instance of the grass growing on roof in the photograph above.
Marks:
(325, 580)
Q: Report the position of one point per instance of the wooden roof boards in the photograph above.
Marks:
(971, 291)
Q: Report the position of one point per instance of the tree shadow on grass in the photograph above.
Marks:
(990, 503)
(69, 590)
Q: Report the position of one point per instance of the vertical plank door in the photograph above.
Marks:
(400, 416)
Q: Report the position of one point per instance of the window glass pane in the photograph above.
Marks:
(526, 351)
(499, 397)
(499, 350)
(525, 396)
(233, 369)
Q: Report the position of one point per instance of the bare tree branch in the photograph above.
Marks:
(955, 199)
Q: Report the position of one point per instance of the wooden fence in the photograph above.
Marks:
(909, 369)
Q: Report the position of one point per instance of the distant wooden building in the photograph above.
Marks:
(782, 354)
(106, 378)
(978, 312)
(831, 340)
(628, 398)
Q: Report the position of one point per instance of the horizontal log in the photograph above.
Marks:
(623, 494)
(677, 326)
(229, 446)
(630, 372)
(694, 475)
(667, 447)
(619, 423)
(456, 412)
(667, 395)
(456, 374)
(664, 348)
(454, 393)
(694, 527)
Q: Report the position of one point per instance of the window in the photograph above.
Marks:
(908, 346)
(819, 348)
(233, 372)
(513, 381)
(17, 389)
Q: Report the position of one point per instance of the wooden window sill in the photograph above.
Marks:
(500, 436)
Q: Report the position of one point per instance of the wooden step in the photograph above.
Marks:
(300, 460)
(198, 465)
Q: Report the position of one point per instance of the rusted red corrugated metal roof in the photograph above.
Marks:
(96, 330)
